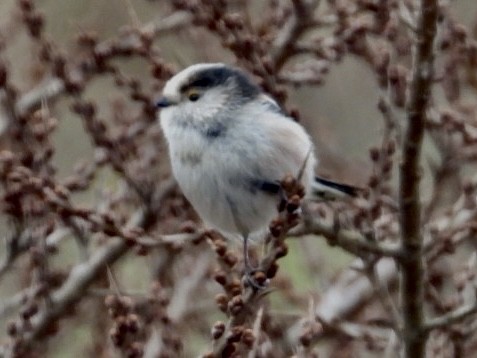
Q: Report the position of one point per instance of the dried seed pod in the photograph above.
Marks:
(235, 305)
(218, 329)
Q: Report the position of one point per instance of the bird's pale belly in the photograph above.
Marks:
(223, 206)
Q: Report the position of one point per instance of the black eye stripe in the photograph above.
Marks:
(217, 76)
(211, 77)
(204, 82)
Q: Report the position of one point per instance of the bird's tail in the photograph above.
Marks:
(325, 189)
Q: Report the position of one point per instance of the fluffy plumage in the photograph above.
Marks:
(230, 145)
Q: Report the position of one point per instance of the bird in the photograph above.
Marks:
(230, 145)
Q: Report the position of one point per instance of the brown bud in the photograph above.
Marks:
(222, 301)
(460, 32)
(132, 322)
(387, 166)
(29, 311)
(111, 301)
(397, 75)
(116, 337)
(84, 108)
(141, 250)
(229, 350)
(135, 350)
(126, 301)
(188, 227)
(281, 250)
(235, 334)
(293, 219)
(374, 154)
(218, 329)
(468, 187)
(306, 338)
(276, 227)
(230, 258)
(293, 203)
(6, 157)
(3, 75)
(220, 248)
(295, 114)
(87, 39)
(248, 338)
(272, 270)
(288, 183)
(235, 305)
(260, 278)
(12, 328)
(221, 277)
(26, 5)
(375, 211)
(391, 147)
(35, 22)
(233, 21)
(373, 181)
(234, 288)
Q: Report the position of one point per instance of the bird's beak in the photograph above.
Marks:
(164, 102)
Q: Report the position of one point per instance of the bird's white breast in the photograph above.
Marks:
(213, 172)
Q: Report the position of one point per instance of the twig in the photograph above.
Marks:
(48, 90)
(176, 239)
(412, 290)
(299, 22)
(257, 325)
(16, 300)
(171, 23)
(450, 318)
(15, 246)
(54, 87)
(73, 289)
(348, 294)
(352, 241)
(82, 276)
(358, 330)
(384, 295)
(182, 299)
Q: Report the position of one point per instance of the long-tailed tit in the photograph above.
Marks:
(230, 146)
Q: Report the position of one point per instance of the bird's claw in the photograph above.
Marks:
(256, 279)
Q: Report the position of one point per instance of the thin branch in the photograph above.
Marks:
(48, 90)
(412, 290)
(176, 239)
(183, 297)
(257, 325)
(358, 330)
(351, 241)
(13, 302)
(384, 295)
(350, 292)
(171, 23)
(450, 318)
(74, 288)
(299, 22)
(54, 87)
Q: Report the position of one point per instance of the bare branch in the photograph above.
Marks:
(74, 288)
(456, 316)
(299, 22)
(54, 87)
(412, 291)
(351, 241)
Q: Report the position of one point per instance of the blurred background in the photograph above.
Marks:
(340, 112)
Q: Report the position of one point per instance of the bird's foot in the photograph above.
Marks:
(255, 278)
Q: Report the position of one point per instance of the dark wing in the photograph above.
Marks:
(327, 189)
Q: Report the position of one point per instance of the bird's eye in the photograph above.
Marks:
(193, 96)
